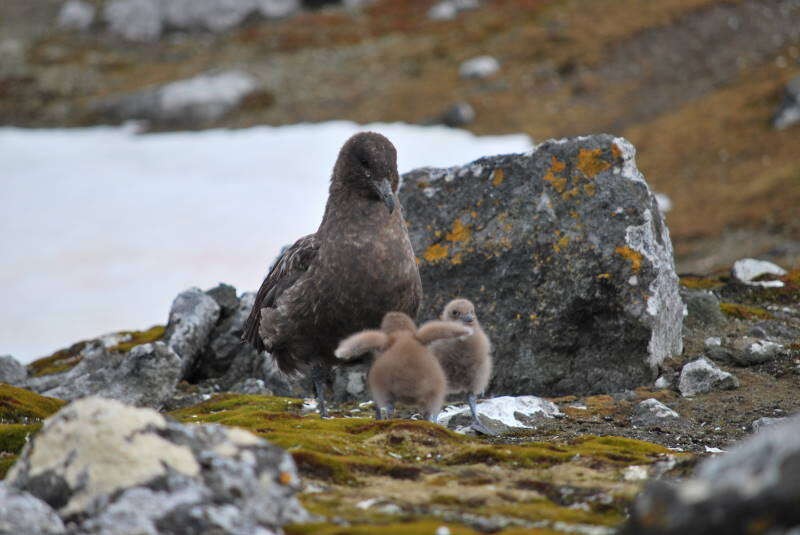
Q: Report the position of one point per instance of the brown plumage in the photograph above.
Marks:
(358, 266)
(467, 361)
(405, 370)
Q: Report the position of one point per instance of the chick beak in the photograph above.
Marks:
(384, 191)
(469, 318)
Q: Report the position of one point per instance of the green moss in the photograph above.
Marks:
(137, 338)
(744, 312)
(426, 527)
(61, 360)
(14, 436)
(22, 406)
(6, 462)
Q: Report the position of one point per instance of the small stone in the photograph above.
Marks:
(701, 376)
(459, 114)
(11, 370)
(480, 67)
(702, 309)
(748, 269)
(748, 351)
(788, 112)
(135, 20)
(664, 382)
(76, 15)
(448, 9)
(761, 423)
(652, 412)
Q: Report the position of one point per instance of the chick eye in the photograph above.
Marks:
(456, 313)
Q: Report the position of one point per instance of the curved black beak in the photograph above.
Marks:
(384, 191)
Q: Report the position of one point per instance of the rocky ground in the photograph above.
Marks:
(563, 464)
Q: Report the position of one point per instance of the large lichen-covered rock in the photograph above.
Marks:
(118, 469)
(566, 256)
(751, 489)
(11, 370)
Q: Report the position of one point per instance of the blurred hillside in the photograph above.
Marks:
(693, 84)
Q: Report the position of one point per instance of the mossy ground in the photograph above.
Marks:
(406, 476)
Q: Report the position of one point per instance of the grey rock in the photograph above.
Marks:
(11, 370)
(225, 343)
(211, 15)
(251, 386)
(195, 101)
(479, 67)
(76, 15)
(459, 114)
(350, 383)
(701, 376)
(449, 9)
(652, 412)
(135, 20)
(175, 478)
(702, 309)
(24, 514)
(747, 270)
(747, 351)
(754, 483)
(764, 422)
(274, 9)
(566, 256)
(501, 414)
(665, 381)
(13, 61)
(192, 317)
(145, 376)
(788, 112)
(225, 296)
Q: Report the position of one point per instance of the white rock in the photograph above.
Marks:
(213, 15)
(480, 67)
(76, 15)
(274, 9)
(135, 20)
(448, 9)
(505, 409)
(207, 96)
(664, 203)
(663, 382)
(712, 341)
(748, 269)
(702, 376)
(652, 412)
(635, 473)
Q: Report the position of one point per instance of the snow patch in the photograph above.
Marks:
(505, 409)
(748, 269)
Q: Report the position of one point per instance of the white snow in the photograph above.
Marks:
(102, 228)
(505, 409)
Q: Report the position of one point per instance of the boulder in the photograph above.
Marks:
(701, 376)
(192, 318)
(765, 421)
(115, 469)
(501, 414)
(11, 370)
(702, 309)
(748, 270)
(651, 412)
(747, 351)
(788, 112)
(751, 489)
(566, 256)
(195, 101)
(22, 513)
(144, 376)
(76, 15)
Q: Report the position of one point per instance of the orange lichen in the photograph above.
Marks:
(435, 252)
(590, 188)
(561, 244)
(567, 195)
(460, 232)
(634, 256)
(498, 176)
(456, 259)
(604, 276)
(559, 183)
(616, 152)
(285, 478)
(590, 162)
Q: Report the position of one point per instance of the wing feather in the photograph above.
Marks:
(291, 264)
